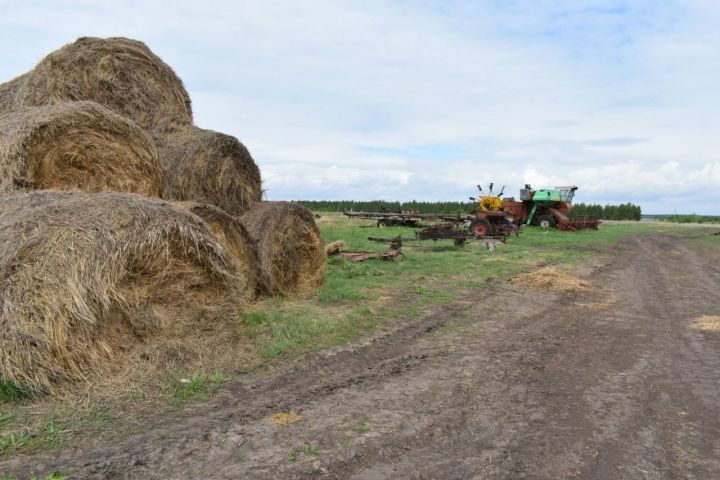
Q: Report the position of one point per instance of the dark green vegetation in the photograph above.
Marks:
(692, 218)
(625, 211)
(354, 299)
(378, 205)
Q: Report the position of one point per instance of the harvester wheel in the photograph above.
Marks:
(480, 227)
(547, 221)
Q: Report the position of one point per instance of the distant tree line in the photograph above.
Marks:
(692, 218)
(378, 205)
(625, 211)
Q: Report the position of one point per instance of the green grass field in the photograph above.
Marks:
(355, 298)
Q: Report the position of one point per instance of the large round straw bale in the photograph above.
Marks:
(92, 282)
(290, 249)
(122, 74)
(77, 145)
(231, 234)
(209, 167)
(9, 92)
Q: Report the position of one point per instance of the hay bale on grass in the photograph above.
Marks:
(9, 92)
(119, 73)
(290, 249)
(92, 282)
(209, 167)
(76, 145)
(231, 234)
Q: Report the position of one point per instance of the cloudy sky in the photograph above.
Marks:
(423, 99)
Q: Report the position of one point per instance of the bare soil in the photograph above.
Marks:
(509, 383)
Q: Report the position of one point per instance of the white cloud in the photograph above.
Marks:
(620, 99)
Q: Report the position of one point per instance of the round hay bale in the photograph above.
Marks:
(119, 73)
(77, 145)
(290, 248)
(95, 282)
(231, 234)
(9, 93)
(209, 167)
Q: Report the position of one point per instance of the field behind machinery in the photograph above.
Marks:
(355, 299)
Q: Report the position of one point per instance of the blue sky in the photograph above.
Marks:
(423, 100)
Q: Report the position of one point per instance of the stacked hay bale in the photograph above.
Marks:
(209, 167)
(77, 145)
(9, 93)
(290, 249)
(125, 76)
(89, 278)
(119, 73)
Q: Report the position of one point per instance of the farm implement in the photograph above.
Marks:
(495, 218)
(488, 222)
(547, 208)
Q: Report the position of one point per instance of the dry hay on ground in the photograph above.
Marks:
(93, 282)
(119, 73)
(707, 323)
(552, 279)
(290, 249)
(334, 248)
(9, 92)
(284, 418)
(76, 145)
(232, 235)
(209, 167)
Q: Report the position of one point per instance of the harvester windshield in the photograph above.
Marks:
(566, 193)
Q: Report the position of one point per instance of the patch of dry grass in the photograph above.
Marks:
(707, 323)
(554, 280)
(284, 418)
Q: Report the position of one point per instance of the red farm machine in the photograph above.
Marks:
(547, 208)
(489, 221)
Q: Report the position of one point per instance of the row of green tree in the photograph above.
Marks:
(692, 218)
(625, 211)
(379, 205)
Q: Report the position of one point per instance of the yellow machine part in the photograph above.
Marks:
(490, 204)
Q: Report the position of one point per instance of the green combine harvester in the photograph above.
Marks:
(547, 208)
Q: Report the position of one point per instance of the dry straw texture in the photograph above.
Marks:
(554, 280)
(76, 145)
(91, 282)
(291, 251)
(708, 323)
(9, 93)
(209, 167)
(232, 235)
(122, 74)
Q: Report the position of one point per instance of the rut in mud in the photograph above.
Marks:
(514, 383)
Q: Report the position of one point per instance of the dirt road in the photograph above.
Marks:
(507, 384)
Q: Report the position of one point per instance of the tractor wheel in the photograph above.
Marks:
(480, 227)
(547, 221)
